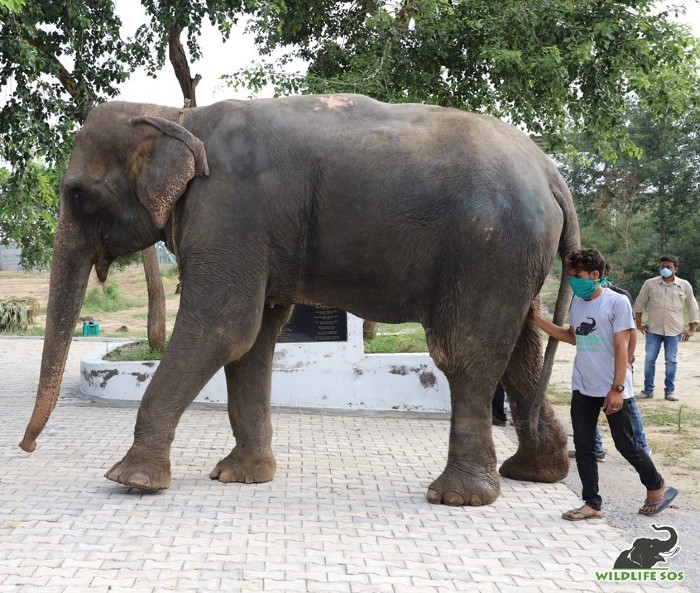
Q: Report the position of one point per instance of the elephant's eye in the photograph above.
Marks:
(81, 200)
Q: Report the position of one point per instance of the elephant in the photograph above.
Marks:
(394, 213)
(646, 552)
(585, 328)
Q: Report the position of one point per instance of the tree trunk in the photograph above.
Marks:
(181, 66)
(156, 299)
(369, 329)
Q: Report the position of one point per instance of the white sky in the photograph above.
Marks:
(220, 58)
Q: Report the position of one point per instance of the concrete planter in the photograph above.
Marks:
(328, 375)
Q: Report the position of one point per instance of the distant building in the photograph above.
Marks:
(9, 258)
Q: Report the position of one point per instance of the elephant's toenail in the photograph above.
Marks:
(433, 496)
(454, 499)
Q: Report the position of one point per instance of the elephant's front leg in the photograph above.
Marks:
(249, 382)
(470, 476)
(190, 361)
(175, 384)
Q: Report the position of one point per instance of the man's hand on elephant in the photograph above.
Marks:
(535, 313)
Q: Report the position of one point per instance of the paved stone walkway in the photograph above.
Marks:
(345, 513)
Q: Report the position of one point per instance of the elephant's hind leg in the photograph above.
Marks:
(470, 476)
(541, 454)
(248, 382)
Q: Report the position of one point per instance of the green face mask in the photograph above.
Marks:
(583, 288)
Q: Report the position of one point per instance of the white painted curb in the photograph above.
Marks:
(324, 375)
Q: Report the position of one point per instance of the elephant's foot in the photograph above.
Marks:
(537, 465)
(136, 471)
(249, 467)
(457, 488)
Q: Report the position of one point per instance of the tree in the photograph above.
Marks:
(57, 59)
(29, 205)
(635, 209)
(49, 102)
(167, 21)
(11, 5)
(545, 65)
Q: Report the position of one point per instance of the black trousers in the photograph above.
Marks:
(584, 418)
(498, 402)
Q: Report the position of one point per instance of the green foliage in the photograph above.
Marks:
(133, 351)
(546, 65)
(635, 209)
(29, 204)
(173, 16)
(12, 5)
(17, 315)
(109, 301)
(59, 59)
(169, 271)
(405, 337)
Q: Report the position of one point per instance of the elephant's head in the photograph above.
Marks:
(128, 168)
(646, 552)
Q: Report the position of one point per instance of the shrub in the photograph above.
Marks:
(17, 314)
(109, 301)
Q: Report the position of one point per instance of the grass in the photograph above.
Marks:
(97, 301)
(132, 352)
(403, 337)
(676, 418)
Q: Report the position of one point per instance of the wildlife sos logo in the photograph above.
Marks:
(639, 563)
(586, 338)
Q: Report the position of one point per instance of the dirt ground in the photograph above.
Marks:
(131, 285)
(677, 453)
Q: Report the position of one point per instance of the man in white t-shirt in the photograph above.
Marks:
(601, 323)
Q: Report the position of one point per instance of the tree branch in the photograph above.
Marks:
(178, 59)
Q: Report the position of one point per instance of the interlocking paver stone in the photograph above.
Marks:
(346, 512)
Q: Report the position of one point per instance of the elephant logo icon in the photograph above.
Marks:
(585, 328)
(646, 552)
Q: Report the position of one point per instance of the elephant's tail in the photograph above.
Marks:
(570, 240)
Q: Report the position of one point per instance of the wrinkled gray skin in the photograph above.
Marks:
(392, 212)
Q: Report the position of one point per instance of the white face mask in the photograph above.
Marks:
(666, 272)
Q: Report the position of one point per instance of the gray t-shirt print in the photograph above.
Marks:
(595, 324)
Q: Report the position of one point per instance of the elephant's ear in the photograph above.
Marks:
(165, 159)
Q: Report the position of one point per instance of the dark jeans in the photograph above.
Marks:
(498, 401)
(584, 419)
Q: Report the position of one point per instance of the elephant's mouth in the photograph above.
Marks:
(102, 264)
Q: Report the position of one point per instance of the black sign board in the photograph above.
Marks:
(315, 324)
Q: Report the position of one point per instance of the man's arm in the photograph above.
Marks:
(613, 401)
(691, 306)
(639, 304)
(557, 332)
(632, 347)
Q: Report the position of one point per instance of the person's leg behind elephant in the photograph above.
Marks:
(640, 435)
(498, 402)
(671, 360)
(652, 347)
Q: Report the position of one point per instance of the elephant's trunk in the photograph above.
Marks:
(672, 540)
(70, 271)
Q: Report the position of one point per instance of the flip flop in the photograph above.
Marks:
(580, 515)
(660, 504)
